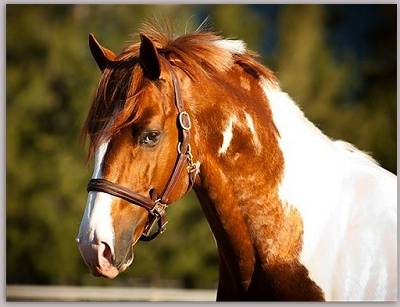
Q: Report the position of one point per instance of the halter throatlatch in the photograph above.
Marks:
(157, 205)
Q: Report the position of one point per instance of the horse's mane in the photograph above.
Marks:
(200, 55)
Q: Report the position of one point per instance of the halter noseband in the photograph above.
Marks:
(157, 205)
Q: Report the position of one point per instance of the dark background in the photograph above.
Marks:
(337, 61)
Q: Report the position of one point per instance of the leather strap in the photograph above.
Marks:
(156, 206)
(183, 128)
(103, 185)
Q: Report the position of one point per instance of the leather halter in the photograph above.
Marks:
(157, 205)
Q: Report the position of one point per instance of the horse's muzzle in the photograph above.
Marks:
(99, 258)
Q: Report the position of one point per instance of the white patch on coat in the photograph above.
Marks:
(96, 224)
(245, 83)
(250, 124)
(233, 46)
(348, 205)
(227, 136)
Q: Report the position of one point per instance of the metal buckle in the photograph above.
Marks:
(156, 213)
(189, 123)
(158, 208)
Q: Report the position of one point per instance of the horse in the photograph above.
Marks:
(296, 215)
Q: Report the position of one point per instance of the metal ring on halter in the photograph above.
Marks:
(189, 124)
(189, 149)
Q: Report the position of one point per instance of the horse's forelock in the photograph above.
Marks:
(115, 104)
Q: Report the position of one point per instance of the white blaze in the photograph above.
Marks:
(96, 222)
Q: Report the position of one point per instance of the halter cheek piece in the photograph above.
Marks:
(157, 205)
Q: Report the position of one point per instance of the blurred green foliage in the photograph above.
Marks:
(51, 78)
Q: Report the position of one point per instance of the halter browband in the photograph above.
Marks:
(157, 205)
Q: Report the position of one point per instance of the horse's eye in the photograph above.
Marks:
(150, 138)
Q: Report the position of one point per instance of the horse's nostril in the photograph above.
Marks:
(107, 254)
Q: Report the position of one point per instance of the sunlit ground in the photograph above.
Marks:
(70, 293)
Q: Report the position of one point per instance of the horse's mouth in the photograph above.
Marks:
(102, 263)
(128, 261)
(111, 271)
(126, 264)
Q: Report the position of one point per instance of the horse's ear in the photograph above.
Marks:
(149, 59)
(103, 56)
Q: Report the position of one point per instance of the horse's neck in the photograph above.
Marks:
(275, 190)
(339, 191)
(240, 175)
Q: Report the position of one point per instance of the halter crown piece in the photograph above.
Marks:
(157, 205)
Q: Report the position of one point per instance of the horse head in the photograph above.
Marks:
(139, 136)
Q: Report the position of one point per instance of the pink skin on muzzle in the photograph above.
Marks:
(98, 258)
